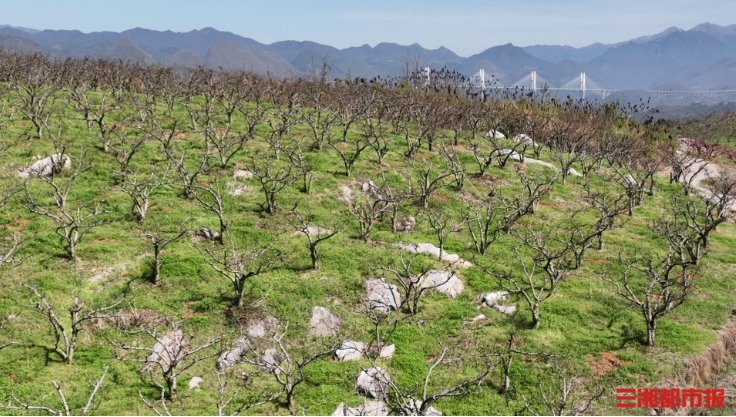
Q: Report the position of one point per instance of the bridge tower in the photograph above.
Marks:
(534, 84)
(582, 85)
(482, 75)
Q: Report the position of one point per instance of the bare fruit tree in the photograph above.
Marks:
(273, 175)
(287, 362)
(419, 399)
(66, 337)
(158, 243)
(67, 410)
(654, 286)
(240, 266)
(171, 355)
(541, 277)
(315, 234)
(567, 394)
(71, 223)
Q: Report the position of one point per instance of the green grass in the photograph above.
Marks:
(584, 318)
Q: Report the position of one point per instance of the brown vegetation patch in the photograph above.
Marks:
(104, 240)
(702, 367)
(439, 197)
(21, 224)
(607, 363)
(598, 261)
(132, 318)
(549, 204)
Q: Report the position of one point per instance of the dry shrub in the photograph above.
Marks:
(131, 318)
(608, 363)
(702, 367)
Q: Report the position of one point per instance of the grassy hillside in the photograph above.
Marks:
(586, 331)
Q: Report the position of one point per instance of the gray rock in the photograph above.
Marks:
(435, 251)
(443, 282)
(387, 352)
(630, 180)
(373, 382)
(345, 194)
(169, 349)
(508, 310)
(47, 166)
(479, 317)
(382, 296)
(350, 351)
(413, 407)
(241, 174)
(323, 322)
(490, 299)
(524, 139)
(368, 408)
(371, 190)
(229, 358)
(406, 224)
(496, 134)
(208, 234)
(194, 382)
(271, 360)
(313, 231)
(573, 171)
(261, 328)
(236, 189)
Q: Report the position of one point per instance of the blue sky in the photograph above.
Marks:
(464, 26)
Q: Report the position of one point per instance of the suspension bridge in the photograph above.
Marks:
(582, 83)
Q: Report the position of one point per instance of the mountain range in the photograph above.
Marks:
(702, 58)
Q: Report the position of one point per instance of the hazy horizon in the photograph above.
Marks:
(465, 27)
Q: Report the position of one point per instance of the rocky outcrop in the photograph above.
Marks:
(350, 351)
(443, 282)
(373, 382)
(323, 322)
(47, 166)
(382, 296)
(435, 251)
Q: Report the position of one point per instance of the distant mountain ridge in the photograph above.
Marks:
(699, 58)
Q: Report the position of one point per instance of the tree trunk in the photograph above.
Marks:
(651, 327)
(535, 317)
(156, 264)
(313, 254)
(600, 241)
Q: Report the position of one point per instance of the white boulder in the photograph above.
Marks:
(413, 407)
(524, 139)
(323, 322)
(241, 174)
(496, 134)
(229, 358)
(194, 382)
(387, 352)
(443, 282)
(435, 251)
(368, 408)
(406, 224)
(260, 328)
(382, 296)
(47, 166)
(350, 351)
(271, 360)
(373, 382)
